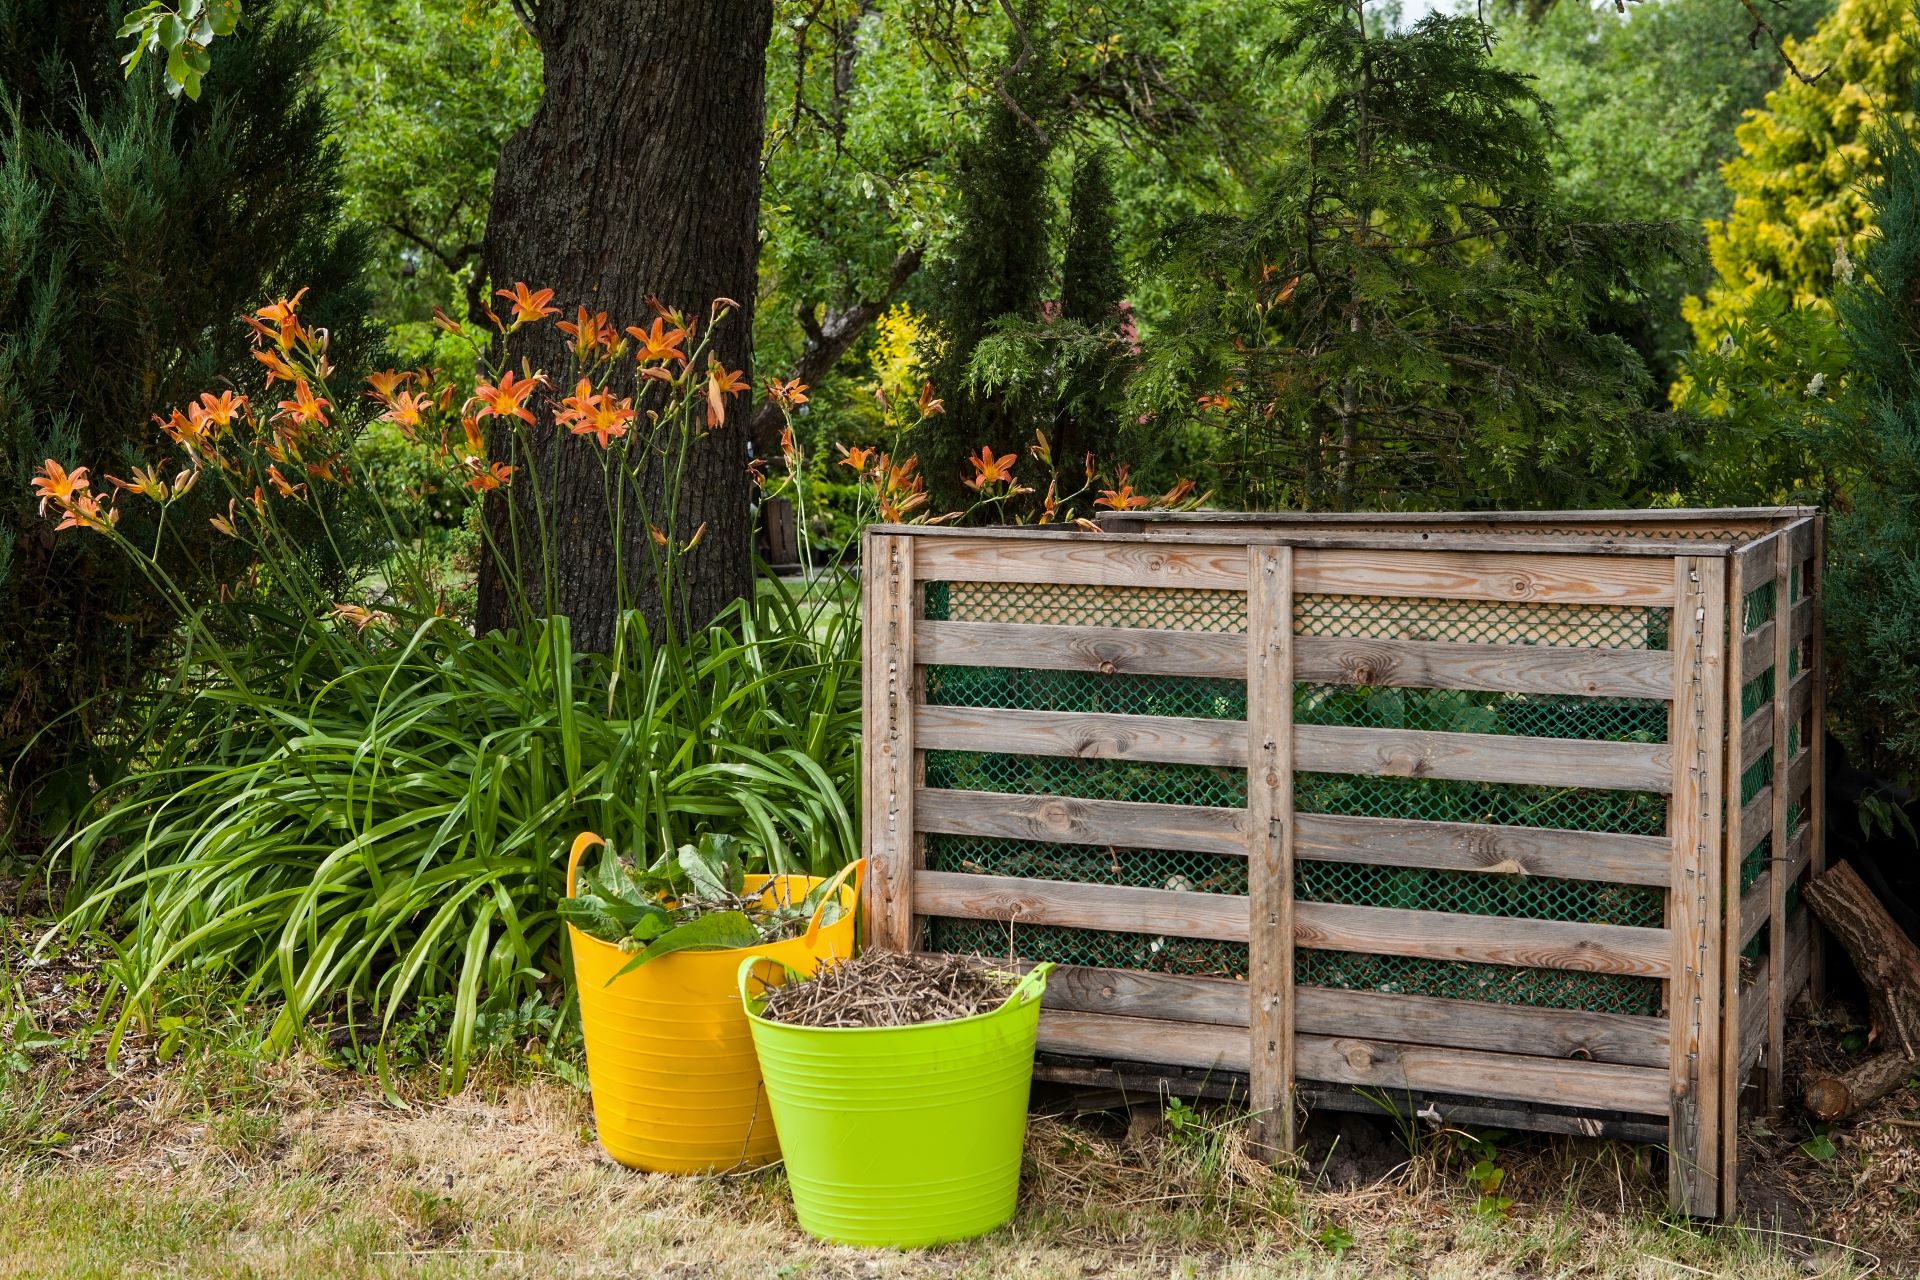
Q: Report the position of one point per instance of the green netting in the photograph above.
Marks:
(1756, 693)
(1475, 711)
(1193, 784)
(1178, 870)
(1757, 607)
(1067, 604)
(1026, 689)
(1496, 803)
(1477, 893)
(1757, 776)
(1094, 947)
(1460, 980)
(1481, 621)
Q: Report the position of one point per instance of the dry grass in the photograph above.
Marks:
(216, 1163)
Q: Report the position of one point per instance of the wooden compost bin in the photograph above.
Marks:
(1500, 814)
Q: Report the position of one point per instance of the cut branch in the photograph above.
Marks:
(1889, 964)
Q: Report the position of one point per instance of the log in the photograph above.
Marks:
(1889, 965)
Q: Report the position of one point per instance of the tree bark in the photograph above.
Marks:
(638, 177)
(1889, 964)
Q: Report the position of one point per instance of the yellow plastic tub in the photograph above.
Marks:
(676, 1086)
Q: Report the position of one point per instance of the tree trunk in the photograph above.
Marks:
(638, 177)
(1889, 964)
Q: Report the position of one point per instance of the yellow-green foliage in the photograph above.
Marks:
(1796, 182)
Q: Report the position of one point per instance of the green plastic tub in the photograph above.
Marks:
(900, 1136)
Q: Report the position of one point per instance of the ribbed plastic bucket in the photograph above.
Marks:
(676, 1086)
(901, 1136)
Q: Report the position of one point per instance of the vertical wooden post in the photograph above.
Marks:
(891, 773)
(1817, 744)
(1270, 843)
(1783, 565)
(1695, 899)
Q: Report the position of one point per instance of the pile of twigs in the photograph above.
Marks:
(888, 989)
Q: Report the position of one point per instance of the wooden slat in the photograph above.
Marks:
(1756, 735)
(1699, 705)
(1817, 747)
(890, 763)
(1802, 954)
(1179, 1044)
(975, 558)
(1484, 1114)
(1550, 944)
(1479, 757)
(1466, 575)
(1791, 698)
(1799, 852)
(1471, 1024)
(1756, 907)
(1471, 846)
(1386, 1065)
(1083, 735)
(1755, 821)
(1121, 908)
(1756, 649)
(1753, 563)
(1269, 743)
(1098, 650)
(1799, 537)
(1500, 668)
(1127, 823)
(1460, 1024)
(1754, 1000)
(1799, 774)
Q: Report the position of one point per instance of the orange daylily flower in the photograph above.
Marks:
(277, 368)
(385, 383)
(220, 410)
(790, 394)
(989, 470)
(144, 482)
(282, 311)
(281, 485)
(1122, 498)
(528, 304)
(928, 405)
(476, 439)
(405, 410)
(720, 383)
(509, 399)
(588, 332)
(659, 538)
(305, 409)
(85, 513)
(59, 486)
(658, 343)
(587, 413)
(855, 458)
(360, 617)
(486, 477)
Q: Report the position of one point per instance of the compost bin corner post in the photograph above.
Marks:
(1270, 845)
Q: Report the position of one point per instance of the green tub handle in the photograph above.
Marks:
(1028, 989)
(1031, 986)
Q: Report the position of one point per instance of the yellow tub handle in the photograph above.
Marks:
(581, 843)
(832, 894)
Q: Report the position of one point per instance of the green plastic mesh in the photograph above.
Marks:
(1461, 980)
(1756, 693)
(1481, 621)
(1088, 864)
(1757, 776)
(1479, 894)
(1026, 689)
(1475, 711)
(1192, 784)
(1757, 607)
(1093, 947)
(1496, 803)
(1067, 604)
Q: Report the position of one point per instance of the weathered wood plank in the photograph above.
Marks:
(1746, 569)
(1756, 735)
(1798, 537)
(1549, 944)
(1387, 1065)
(1121, 908)
(1099, 650)
(1698, 723)
(1470, 846)
(1499, 668)
(1753, 1023)
(1036, 558)
(1754, 563)
(1083, 735)
(1269, 743)
(1178, 1044)
(1757, 731)
(1799, 851)
(1755, 821)
(889, 759)
(1127, 823)
(1791, 699)
(1467, 575)
(1817, 744)
(1757, 648)
(1478, 757)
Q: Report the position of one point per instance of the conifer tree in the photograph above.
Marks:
(1404, 317)
(135, 228)
(1873, 583)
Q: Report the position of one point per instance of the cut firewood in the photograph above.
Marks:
(1889, 965)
